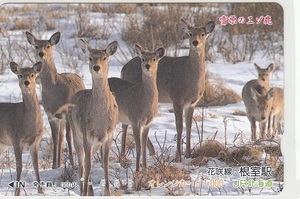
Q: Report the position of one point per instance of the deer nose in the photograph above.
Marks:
(147, 66)
(96, 68)
(26, 82)
(41, 54)
(195, 43)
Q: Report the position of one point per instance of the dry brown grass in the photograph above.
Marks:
(279, 173)
(200, 161)
(246, 155)
(209, 148)
(217, 94)
(24, 23)
(239, 113)
(158, 174)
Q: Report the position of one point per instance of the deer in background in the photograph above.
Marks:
(264, 73)
(138, 102)
(57, 90)
(94, 115)
(257, 98)
(21, 124)
(277, 110)
(180, 80)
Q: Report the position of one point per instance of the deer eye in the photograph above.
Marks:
(190, 34)
(36, 47)
(90, 58)
(153, 59)
(32, 75)
(203, 34)
(104, 58)
(48, 46)
(20, 76)
(143, 59)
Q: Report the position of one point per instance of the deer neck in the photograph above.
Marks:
(197, 59)
(31, 106)
(100, 90)
(197, 64)
(49, 74)
(150, 88)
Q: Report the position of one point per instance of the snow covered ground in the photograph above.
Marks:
(201, 183)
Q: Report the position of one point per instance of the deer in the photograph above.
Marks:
(94, 114)
(264, 73)
(257, 97)
(180, 80)
(277, 110)
(21, 124)
(138, 102)
(57, 90)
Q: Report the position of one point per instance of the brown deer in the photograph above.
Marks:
(264, 73)
(21, 124)
(138, 102)
(180, 80)
(257, 98)
(277, 110)
(94, 115)
(57, 90)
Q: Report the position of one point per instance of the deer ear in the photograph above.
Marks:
(14, 67)
(85, 46)
(54, 38)
(270, 94)
(257, 67)
(139, 49)
(185, 25)
(271, 67)
(38, 67)
(111, 48)
(30, 38)
(209, 27)
(254, 94)
(160, 52)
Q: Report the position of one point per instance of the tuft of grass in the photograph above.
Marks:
(217, 94)
(209, 148)
(239, 112)
(24, 23)
(246, 155)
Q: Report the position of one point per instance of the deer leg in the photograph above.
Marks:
(150, 147)
(80, 153)
(69, 141)
(262, 127)
(189, 111)
(18, 155)
(278, 123)
(269, 126)
(253, 127)
(124, 134)
(87, 166)
(62, 127)
(145, 139)
(123, 145)
(178, 109)
(137, 137)
(55, 131)
(106, 148)
(34, 156)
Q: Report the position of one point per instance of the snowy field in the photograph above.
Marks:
(162, 131)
